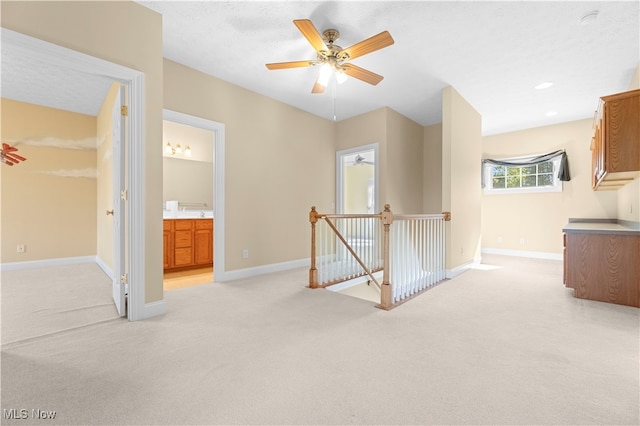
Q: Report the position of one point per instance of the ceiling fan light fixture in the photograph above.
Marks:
(325, 74)
(341, 76)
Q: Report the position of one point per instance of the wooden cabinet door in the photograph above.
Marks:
(167, 243)
(203, 241)
(167, 250)
(623, 134)
(203, 247)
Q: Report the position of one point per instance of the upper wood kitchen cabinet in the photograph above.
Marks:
(615, 144)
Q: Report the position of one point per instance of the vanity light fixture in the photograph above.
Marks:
(171, 150)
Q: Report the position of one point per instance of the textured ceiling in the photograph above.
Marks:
(492, 53)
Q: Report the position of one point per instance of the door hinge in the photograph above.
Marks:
(124, 278)
(123, 195)
(124, 110)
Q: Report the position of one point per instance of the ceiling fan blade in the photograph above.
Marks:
(317, 87)
(369, 45)
(312, 35)
(362, 74)
(293, 64)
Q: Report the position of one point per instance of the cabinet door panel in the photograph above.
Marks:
(183, 256)
(183, 239)
(203, 246)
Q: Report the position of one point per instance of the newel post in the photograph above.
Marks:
(313, 272)
(386, 299)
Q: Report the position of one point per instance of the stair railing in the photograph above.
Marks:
(349, 246)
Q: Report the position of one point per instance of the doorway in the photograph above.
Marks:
(201, 195)
(78, 62)
(357, 180)
(187, 197)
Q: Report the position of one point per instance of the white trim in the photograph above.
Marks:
(134, 80)
(154, 309)
(218, 170)
(340, 177)
(239, 274)
(523, 253)
(105, 268)
(34, 264)
(460, 269)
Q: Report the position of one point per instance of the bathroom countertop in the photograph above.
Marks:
(189, 214)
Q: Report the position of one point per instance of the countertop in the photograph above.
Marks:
(602, 226)
(189, 214)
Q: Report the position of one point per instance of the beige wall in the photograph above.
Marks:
(363, 130)
(128, 34)
(404, 163)
(539, 217)
(432, 169)
(104, 165)
(279, 161)
(399, 142)
(461, 187)
(48, 201)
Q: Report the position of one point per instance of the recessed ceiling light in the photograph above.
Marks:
(589, 18)
(544, 85)
(551, 113)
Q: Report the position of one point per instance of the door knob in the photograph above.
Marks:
(109, 212)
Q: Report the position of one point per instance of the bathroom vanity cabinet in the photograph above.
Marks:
(187, 243)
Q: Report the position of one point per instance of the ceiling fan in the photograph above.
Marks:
(333, 57)
(360, 160)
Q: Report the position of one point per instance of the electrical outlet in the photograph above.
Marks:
(499, 240)
(245, 254)
(522, 240)
(21, 248)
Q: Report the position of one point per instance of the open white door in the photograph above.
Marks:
(119, 197)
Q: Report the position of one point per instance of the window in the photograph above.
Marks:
(519, 177)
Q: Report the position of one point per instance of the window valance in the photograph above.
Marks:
(563, 169)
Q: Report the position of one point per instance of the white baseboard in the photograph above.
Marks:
(523, 253)
(460, 269)
(105, 268)
(239, 274)
(154, 309)
(33, 264)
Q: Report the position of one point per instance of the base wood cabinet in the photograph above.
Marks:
(188, 243)
(603, 266)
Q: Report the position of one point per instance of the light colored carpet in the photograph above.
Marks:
(508, 345)
(38, 302)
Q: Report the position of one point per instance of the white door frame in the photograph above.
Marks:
(219, 273)
(340, 175)
(134, 151)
